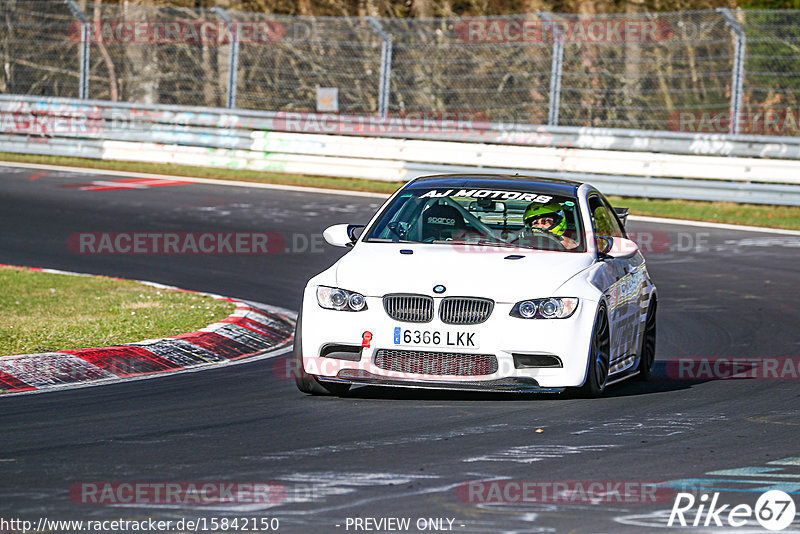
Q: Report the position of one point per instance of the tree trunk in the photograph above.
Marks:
(113, 89)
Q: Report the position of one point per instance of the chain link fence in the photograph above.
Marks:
(667, 66)
(285, 59)
(38, 57)
(133, 60)
(686, 71)
(771, 90)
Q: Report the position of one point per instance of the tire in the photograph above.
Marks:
(648, 347)
(305, 382)
(599, 357)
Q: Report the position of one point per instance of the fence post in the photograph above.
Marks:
(386, 66)
(556, 66)
(233, 59)
(738, 68)
(83, 90)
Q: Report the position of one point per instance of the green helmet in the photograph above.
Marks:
(535, 211)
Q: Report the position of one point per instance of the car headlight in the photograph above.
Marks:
(332, 298)
(550, 308)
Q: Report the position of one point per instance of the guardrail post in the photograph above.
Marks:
(233, 58)
(386, 66)
(556, 66)
(83, 90)
(738, 68)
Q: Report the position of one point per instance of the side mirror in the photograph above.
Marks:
(616, 247)
(341, 235)
(604, 245)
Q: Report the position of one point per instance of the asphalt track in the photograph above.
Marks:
(395, 453)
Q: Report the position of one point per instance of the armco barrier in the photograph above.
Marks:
(758, 169)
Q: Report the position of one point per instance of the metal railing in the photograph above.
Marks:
(684, 71)
(626, 162)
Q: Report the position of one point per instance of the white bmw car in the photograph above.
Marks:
(480, 282)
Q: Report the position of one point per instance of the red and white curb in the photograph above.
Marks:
(253, 331)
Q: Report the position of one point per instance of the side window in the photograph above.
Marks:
(603, 222)
(619, 230)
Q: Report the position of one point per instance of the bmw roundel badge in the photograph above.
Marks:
(439, 289)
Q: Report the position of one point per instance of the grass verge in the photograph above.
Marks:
(46, 312)
(787, 217)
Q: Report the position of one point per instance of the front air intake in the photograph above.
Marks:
(435, 363)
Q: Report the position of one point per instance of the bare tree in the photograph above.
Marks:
(113, 87)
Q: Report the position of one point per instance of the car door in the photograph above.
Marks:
(620, 289)
(635, 290)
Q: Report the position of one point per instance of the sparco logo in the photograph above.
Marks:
(441, 220)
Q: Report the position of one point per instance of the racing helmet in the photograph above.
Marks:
(555, 211)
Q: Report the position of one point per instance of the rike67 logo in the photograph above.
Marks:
(774, 510)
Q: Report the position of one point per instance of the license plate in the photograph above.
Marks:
(452, 339)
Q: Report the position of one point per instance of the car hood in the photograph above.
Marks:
(376, 269)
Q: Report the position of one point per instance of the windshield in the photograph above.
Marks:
(507, 218)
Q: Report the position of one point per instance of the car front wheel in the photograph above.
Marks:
(309, 383)
(648, 348)
(599, 357)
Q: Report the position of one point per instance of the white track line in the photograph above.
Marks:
(318, 190)
(235, 183)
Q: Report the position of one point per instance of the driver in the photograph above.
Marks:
(550, 219)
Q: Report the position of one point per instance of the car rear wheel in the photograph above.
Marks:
(648, 348)
(309, 383)
(599, 356)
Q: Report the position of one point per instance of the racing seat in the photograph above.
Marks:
(441, 222)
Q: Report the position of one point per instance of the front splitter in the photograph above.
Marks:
(503, 385)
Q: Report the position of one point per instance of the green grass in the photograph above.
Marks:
(45, 312)
(723, 212)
